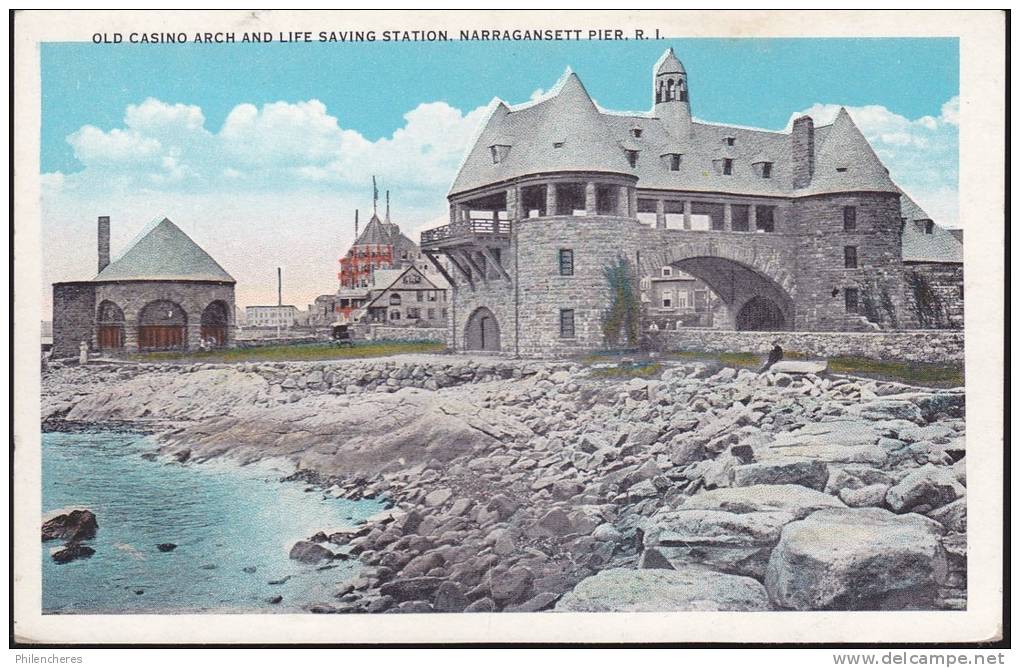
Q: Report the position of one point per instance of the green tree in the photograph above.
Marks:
(621, 319)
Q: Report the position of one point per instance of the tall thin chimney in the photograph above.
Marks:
(803, 144)
(387, 206)
(279, 286)
(104, 242)
(355, 224)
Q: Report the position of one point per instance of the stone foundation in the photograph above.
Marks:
(387, 333)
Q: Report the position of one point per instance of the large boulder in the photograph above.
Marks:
(71, 552)
(308, 552)
(811, 473)
(77, 525)
(658, 590)
(856, 559)
(837, 440)
(930, 486)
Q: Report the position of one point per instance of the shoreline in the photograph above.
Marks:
(522, 486)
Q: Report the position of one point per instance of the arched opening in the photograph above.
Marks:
(751, 300)
(760, 314)
(162, 325)
(482, 331)
(215, 320)
(109, 326)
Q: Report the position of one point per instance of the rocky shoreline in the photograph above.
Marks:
(535, 485)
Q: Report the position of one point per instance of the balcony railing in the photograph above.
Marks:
(466, 229)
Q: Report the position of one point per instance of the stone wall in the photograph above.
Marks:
(909, 346)
(935, 292)
(387, 333)
(74, 307)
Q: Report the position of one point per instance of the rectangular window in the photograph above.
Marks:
(674, 162)
(413, 313)
(849, 218)
(566, 323)
(681, 299)
(852, 300)
(432, 314)
(444, 314)
(766, 170)
(420, 295)
(632, 158)
(566, 262)
(667, 272)
(727, 166)
(850, 257)
(765, 218)
(929, 227)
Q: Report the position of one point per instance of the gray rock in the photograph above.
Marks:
(927, 486)
(308, 552)
(438, 497)
(855, 559)
(75, 526)
(411, 589)
(538, 602)
(794, 499)
(953, 516)
(657, 590)
(509, 586)
(450, 597)
(482, 605)
(652, 558)
(860, 497)
(810, 473)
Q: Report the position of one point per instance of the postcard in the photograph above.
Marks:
(509, 326)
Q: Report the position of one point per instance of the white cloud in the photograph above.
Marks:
(922, 154)
(276, 185)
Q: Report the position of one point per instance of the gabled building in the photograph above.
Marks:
(792, 230)
(163, 292)
(405, 297)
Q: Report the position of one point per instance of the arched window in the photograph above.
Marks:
(395, 299)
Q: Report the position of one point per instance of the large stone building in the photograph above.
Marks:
(798, 230)
(163, 292)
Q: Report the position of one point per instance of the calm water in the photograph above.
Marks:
(223, 517)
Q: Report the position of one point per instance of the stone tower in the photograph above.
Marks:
(671, 95)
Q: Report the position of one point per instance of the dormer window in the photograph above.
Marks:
(763, 169)
(499, 153)
(667, 272)
(632, 157)
(558, 144)
(929, 227)
(841, 169)
(727, 166)
(636, 133)
(672, 161)
(729, 141)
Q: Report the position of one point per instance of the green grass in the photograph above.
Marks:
(294, 352)
(911, 373)
(639, 370)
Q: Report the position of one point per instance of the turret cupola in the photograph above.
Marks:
(671, 95)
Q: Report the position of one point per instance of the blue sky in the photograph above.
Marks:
(262, 152)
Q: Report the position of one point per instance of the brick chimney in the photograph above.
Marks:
(104, 242)
(803, 138)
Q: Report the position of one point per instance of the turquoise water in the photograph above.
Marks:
(224, 519)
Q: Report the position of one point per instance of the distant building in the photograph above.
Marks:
(277, 315)
(675, 298)
(405, 298)
(163, 292)
(380, 247)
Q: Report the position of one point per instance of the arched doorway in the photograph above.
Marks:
(482, 331)
(109, 326)
(760, 314)
(215, 320)
(162, 325)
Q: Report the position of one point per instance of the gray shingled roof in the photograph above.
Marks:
(162, 253)
(374, 234)
(939, 246)
(595, 140)
(566, 116)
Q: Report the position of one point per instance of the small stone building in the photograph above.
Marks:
(163, 293)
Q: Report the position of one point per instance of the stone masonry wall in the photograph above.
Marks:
(820, 273)
(74, 306)
(387, 333)
(909, 346)
(935, 292)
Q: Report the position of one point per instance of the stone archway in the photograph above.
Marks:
(162, 325)
(109, 326)
(751, 274)
(482, 331)
(215, 321)
(760, 314)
